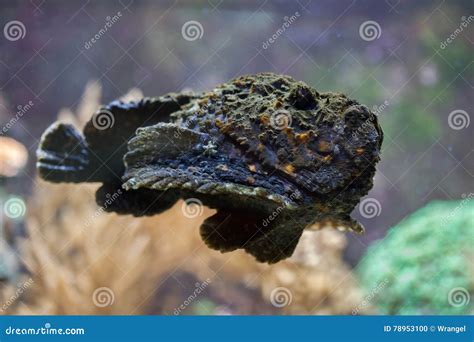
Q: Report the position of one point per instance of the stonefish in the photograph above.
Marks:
(271, 154)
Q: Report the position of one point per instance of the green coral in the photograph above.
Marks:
(424, 264)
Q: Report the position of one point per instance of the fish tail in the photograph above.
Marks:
(63, 155)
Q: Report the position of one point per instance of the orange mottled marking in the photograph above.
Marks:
(288, 168)
(324, 146)
(224, 128)
(265, 119)
(327, 158)
(301, 138)
(289, 132)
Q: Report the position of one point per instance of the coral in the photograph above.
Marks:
(73, 249)
(424, 264)
(13, 157)
(316, 278)
(271, 154)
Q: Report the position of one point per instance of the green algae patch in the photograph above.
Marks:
(424, 263)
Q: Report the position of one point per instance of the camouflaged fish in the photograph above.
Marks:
(271, 154)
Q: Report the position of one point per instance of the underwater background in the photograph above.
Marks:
(410, 62)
